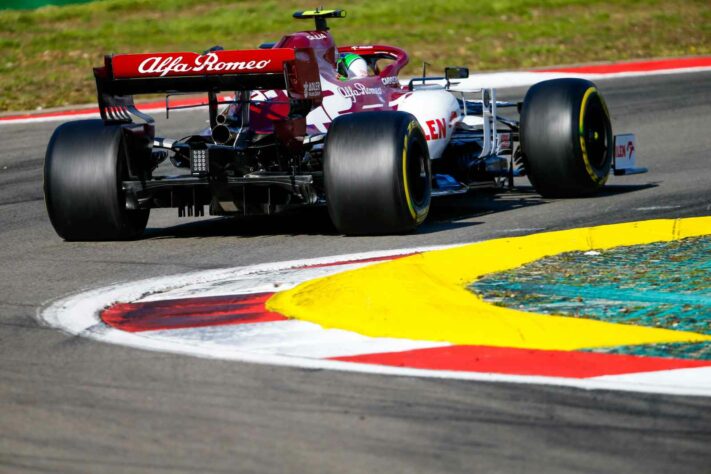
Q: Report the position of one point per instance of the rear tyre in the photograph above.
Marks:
(566, 138)
(377, 173)
(84, 166)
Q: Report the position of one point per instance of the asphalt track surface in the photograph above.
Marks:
(68, 404)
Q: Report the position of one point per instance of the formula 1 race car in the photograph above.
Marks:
(298, 131)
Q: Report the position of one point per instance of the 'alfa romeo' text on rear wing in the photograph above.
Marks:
(125, 75)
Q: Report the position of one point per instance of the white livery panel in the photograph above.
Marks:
(437, 111)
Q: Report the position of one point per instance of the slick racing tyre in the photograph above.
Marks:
(566, 138)
(377, 173)
(84, 166)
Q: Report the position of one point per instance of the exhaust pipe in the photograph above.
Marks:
(222, 134)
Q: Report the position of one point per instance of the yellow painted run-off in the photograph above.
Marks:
(425, 296)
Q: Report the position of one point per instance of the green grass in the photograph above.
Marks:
(46, 55)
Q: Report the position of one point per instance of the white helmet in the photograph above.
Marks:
(353, 66)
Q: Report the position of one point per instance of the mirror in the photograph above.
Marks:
(456, 72)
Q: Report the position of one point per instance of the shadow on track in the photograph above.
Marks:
(614, 189)
(446, 213)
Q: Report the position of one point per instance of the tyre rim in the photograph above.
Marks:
(417, 174)
(595, 133)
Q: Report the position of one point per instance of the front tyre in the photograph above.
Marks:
(83, 172)
(377, 173)
(566, 138)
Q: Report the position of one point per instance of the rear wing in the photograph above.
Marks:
(125, 75)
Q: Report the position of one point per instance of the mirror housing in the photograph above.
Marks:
(456, 72)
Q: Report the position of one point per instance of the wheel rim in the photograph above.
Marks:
(595, 133)
(417, 174)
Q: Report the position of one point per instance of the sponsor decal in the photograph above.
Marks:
(624, 150)
(163, 65)
(504, 141)
(312, 89)
(192, 64)
(390, 81)
(437, 129)
(359, 89)
(316, 36)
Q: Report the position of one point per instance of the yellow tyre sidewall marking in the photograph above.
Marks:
(588, 167)
(405, 184)
(418, 215)
(425, 297)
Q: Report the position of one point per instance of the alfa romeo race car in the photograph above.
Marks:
(296, 132)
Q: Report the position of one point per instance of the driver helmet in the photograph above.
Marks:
(352, 66)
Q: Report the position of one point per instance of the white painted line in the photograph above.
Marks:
(518, 230)
(655, 208)
(696, 380)
(289, 338)
(81, 116)
(53, 118)
(523, 79)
